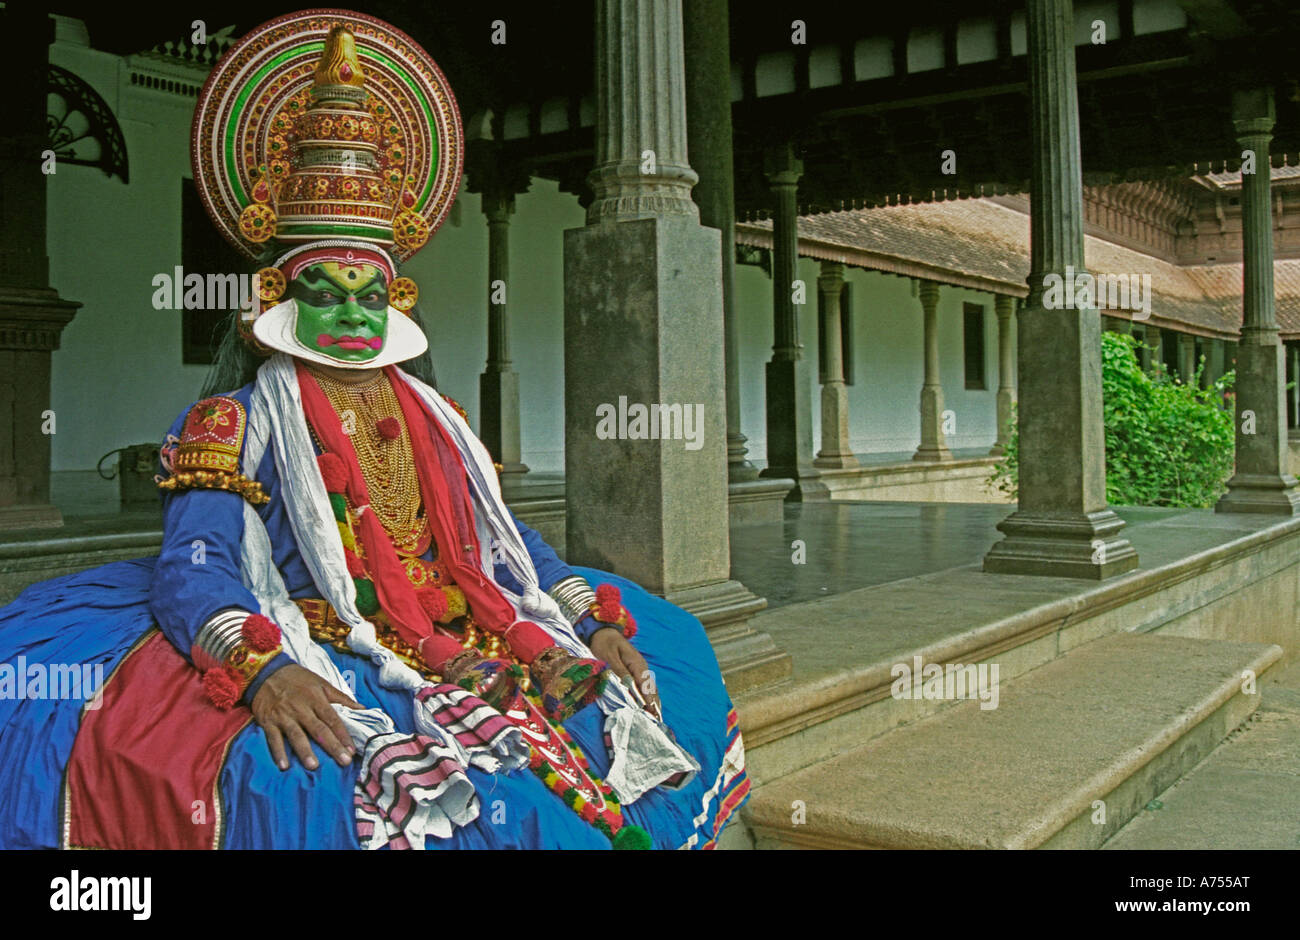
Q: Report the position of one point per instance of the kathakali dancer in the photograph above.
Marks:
(347, 639)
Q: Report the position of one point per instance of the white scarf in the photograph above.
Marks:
(644, 755)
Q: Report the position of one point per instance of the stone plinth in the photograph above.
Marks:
(30, 324)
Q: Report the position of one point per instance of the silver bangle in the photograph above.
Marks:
(218, 638)
(574, 597)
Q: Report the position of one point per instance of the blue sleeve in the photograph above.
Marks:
(549, 567)
(197, 574)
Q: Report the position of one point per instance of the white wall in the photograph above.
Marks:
(117, 376)
(452, 274)
(884, 401)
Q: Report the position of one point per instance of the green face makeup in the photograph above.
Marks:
(342, 310)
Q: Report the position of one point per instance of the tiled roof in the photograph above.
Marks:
(1233, 180)
(982, 244)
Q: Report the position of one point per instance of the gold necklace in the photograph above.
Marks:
(387, 464)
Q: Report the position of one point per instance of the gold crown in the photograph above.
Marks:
(337, 164)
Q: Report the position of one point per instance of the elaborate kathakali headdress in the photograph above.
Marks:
(327, 135)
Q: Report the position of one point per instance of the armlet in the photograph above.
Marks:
(207, 456)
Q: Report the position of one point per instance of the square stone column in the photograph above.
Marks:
(1063, 526)
(644, 365)
(1262, 481)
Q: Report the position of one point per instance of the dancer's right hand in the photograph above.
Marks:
(295, 703)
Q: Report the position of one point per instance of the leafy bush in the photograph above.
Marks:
(1167, 443)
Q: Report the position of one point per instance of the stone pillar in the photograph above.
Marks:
(1062, 526)
(1262, 482)
(645, 430)
(789, 398)
(1003, 306)
(836, 452)
(1156, 356)
(1186, 358)
(498, 386)
(705, 26)
(934, 444)
(1214, 362)
(32, 316)
(1293, 380)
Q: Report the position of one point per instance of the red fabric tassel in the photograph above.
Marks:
(389, 428)
(434, 602)
(221, 687)
(334, 472)
(260, 634)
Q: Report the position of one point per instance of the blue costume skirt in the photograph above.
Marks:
(95, 617)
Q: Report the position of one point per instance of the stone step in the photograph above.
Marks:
(1117, 720)
(1245, 795)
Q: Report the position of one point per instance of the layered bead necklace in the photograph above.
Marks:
(377, 429)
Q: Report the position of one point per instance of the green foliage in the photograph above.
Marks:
(1167, 443)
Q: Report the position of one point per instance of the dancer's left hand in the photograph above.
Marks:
(610, 645)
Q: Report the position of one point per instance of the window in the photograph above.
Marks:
(973, 333)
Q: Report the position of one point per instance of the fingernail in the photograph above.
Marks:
(283, 765)
(345, 757)
(312, 763)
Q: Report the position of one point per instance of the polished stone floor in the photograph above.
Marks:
(847, 545)
(832, 547)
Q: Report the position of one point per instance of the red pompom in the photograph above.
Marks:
(629, 628)
(588, 812)
(260, 634)
(356, 567)
(434, 602)
(389, 428)
(222, 688)
(609, 604)
(334, 472)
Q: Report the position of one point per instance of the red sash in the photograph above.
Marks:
(445, 492)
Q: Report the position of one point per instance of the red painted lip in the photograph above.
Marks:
(350, 342)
